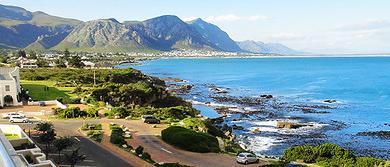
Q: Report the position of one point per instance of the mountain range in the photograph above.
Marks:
(20, 28)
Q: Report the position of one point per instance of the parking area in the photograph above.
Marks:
(27, 108)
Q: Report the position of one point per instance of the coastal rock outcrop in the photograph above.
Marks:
(267, 96)
(379, 134)
(288, 125)
(330, 101)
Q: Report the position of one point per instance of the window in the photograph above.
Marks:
(7, 88)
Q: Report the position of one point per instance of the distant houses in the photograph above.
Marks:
(28, 63)
(9, 86)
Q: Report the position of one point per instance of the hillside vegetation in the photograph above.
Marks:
(331, 155)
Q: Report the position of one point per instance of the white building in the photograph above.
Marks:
(27, 63)
(9, 86)
(19, 150)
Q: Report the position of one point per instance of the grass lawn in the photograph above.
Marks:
(38, 93)
(11, 136)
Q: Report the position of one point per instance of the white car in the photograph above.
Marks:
(247, 158)
(12, 114)
(18, 119)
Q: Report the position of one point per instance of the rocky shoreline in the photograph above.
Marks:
(265, 123)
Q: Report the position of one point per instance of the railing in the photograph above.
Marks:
(5, 159)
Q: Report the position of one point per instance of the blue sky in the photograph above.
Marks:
(318, 26)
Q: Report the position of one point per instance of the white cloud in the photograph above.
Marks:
(230, 18)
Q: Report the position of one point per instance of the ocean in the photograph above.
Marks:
(357, 90)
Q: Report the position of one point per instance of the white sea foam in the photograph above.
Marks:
(211, 104)
(258, 143)
(261, 141)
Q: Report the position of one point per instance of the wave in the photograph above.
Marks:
(211, 104)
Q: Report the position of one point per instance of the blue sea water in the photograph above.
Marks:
(360, 85)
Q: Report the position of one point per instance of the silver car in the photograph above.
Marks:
(247, 158)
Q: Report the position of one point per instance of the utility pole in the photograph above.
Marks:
(94, 77)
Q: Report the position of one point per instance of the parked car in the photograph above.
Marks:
(247, 158)
(151, 120)
(11, 114)
(18, 119)
(145, 116)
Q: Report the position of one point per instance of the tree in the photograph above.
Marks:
(32, 55)
(60, 63)
(42, 63)
(8, 99)
(48, 138)
(75, 61)
(22, 53)
(66, 54)
(61, 144)
(44, 127)
(4, 59)
(75, 157)
(46, 133)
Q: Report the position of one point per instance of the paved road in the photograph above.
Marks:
(144, 135)
(102, 157)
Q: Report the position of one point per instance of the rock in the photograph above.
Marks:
(228, 133)
(267, 96)
(218, 90)
(172, 79)
(187, 87)
(287, 125)
(235, 127)
(184, 88)
(257, 130)
(330, 101)
(127, 136)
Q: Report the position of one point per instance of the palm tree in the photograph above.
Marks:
(46, 133)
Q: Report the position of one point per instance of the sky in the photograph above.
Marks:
(315, 26)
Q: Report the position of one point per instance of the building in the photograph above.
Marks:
(28, 63)
(18, 150)
(9, 86)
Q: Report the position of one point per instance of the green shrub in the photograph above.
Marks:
(328, 155)
(87, 126)
(119, 111)
(147, 157)
(368, 161)
(96, 135)
(139, 150)
(190, 140)
(117, 136)
(68, 100)
(305, 153)
(233, 147)
(71, 112)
